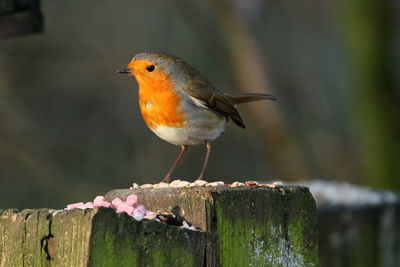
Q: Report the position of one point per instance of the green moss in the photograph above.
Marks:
(301, 225)
(112, 240)
(162, 256)
(233, 242)
(265, 228)
(119, 240)
(245, 227)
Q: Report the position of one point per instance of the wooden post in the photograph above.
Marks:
(249, 226)
(358, 226)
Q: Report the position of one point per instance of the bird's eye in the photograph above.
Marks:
(150, 68)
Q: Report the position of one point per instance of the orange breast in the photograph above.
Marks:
(159, 103)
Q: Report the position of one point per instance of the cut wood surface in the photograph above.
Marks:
(245, 226)
(248, 226)
(98, 237)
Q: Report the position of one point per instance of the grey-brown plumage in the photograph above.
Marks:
(214, 99)
(182, 107)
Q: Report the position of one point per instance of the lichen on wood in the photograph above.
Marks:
(247, 226)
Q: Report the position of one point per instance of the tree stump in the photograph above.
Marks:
(249, 226)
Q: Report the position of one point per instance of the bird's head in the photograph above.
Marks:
(152, 67)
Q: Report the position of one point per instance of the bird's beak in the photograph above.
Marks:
(125, 71)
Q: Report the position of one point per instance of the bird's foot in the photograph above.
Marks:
(167, 179)
(200, 178)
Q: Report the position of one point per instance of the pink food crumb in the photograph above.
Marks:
(99, 198)
(129, 206)
(116, 202)
(103, 204)
(138, 211)
(100, 201)
(141, 208)
(89, 205)
(123, 207)
(132, 200)
(74, 205)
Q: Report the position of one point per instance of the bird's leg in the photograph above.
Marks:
(167, 178)
(208, 146)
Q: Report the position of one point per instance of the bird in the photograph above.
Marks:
(182, 107)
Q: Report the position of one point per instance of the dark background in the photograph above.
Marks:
(70, 128)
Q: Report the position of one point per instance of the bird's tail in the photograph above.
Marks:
(248, 97)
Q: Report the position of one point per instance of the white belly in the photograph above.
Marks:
(200, 126)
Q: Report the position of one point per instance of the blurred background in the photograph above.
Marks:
(70, 127)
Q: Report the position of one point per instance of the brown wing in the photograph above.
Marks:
(210, 97)
(222, 105)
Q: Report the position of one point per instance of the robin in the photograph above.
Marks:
(182, 107)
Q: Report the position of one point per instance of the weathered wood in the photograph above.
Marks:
(121, 241)
(358, 226)
(98, 237)
(256, 226)
(22, 237)
(252, 226)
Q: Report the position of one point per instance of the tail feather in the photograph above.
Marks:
(248, 97)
